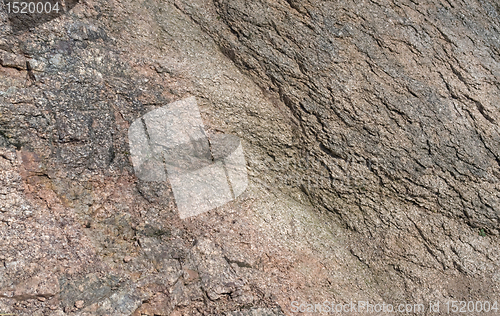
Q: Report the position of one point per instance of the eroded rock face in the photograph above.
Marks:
(370, 130)
(397, 104)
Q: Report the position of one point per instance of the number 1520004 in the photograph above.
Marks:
(32, 7)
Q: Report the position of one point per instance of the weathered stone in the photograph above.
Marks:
(370, 132)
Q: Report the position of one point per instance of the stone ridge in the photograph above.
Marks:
(397, 104)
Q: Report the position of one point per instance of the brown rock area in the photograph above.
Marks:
(370, 131)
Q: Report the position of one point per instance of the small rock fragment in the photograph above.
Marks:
(79, 304)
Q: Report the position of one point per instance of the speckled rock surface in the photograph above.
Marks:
(370, 131)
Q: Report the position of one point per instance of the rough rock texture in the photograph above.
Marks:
(370, 130)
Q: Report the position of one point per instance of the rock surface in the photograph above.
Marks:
(370, 130)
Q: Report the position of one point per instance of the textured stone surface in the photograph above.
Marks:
(370, 130)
